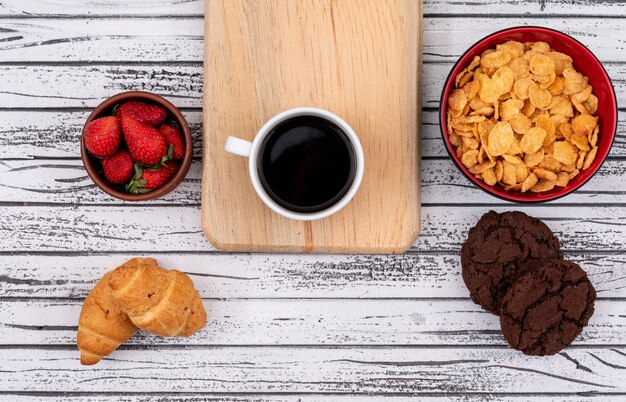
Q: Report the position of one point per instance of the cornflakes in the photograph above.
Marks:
(574, 81)
(535, 158)
(495, 59)
(545, 122)
(540, 98)
(522, 86)
(543, 185)
(584, 124)
(522, 117)
(591, 104)
(565, 152)
(509, 174)
(470, 158)
(520, 123)
(581, 141)
(510, 108)
(532, 141)
(530, 182)
(489, 176)
(561, 61)
(488, 91)
(500, 139)
(540, 64)
(591, 156)
(545, 174)
(504, 78)
(562, 179)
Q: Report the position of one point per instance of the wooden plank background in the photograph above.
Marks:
(281, 327)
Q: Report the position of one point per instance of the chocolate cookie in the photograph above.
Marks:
(501, 248)
(546, 309)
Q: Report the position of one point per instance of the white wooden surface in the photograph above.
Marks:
(281, 327)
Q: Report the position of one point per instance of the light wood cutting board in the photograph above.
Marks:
(356, 58)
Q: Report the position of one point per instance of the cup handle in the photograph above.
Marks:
(238, 146)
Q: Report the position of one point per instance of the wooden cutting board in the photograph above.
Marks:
(356, 58)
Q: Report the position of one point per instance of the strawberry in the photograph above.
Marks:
(146, 180)
(146, 113)
(145, 143)
(172, 136)
(118, 169)
(102, 136)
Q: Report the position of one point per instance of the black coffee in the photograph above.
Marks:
(306, 164)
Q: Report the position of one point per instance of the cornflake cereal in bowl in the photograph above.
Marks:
(528, 114)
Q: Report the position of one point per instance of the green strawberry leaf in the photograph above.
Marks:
(114, 110)
(138, 171)
(136, 183)
(155, 167)
(164, 160)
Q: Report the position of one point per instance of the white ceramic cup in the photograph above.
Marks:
(251, 151)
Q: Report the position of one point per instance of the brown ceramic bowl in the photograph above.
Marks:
(92, 164)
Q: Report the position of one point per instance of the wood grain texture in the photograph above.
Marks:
(35, 86)
(292, 397)
(353, 370)
(46, 85)
(93, 40)
(165, 8)
(310, 322)
(75, 228)
(59, 58)
(361, 63)
(147, 228)
(54, 134)
(106, 8)
(66, 183)
(243, 276)
(603, 36)
(295, 397)
(163, 39)
(541, 8)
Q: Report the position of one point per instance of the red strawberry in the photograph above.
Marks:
(118, 169)
(146, 180)
(102, 136)
(146, 113)
(173, 137)
(145, 143)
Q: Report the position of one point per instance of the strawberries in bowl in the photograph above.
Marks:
(136, 146)
(174, 138)
(102, 136)
(143, 112)
(118, 168)
(145, 143)
(146, 180)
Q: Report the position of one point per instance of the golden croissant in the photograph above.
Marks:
(102, 325)
(157, 300)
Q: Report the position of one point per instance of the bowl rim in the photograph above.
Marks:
(489, 190)
(183, 125)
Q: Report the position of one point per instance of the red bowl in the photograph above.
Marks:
(585, 62)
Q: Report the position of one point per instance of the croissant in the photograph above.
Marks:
(102, 326)
(157, 300)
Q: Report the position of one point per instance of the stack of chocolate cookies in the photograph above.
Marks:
(513, 267)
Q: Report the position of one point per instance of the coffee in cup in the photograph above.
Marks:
(305, 163)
